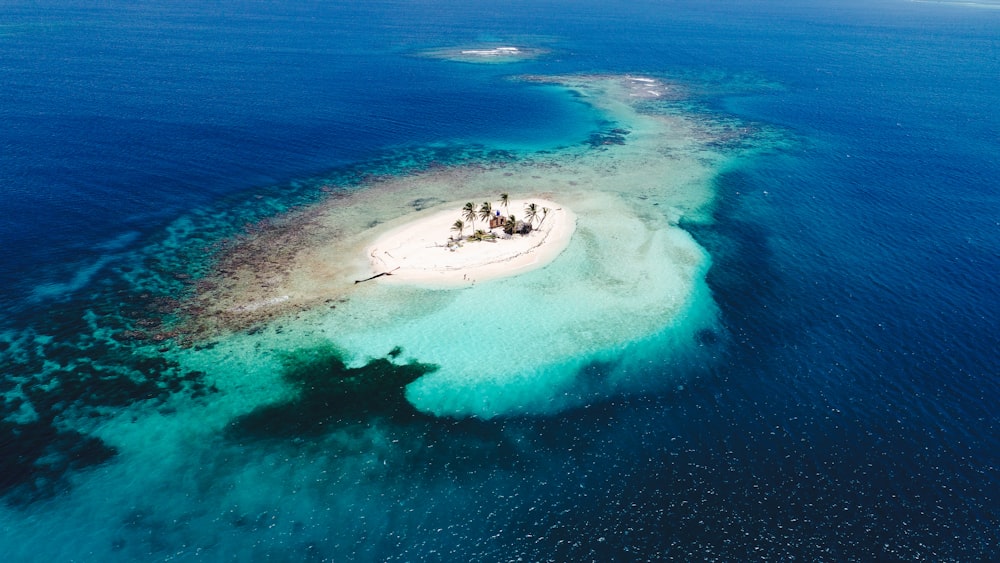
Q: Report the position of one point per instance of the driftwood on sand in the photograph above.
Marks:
(389, 273)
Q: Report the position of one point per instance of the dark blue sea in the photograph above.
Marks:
(852, 412)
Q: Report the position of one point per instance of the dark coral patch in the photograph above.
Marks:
(602, 138)
(49, 386)
(329, 394)
(37, 456)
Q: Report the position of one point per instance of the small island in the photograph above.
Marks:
(495, 52)
(489, 54)
(460, 244)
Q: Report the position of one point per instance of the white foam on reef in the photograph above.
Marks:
(485, 53)
(491, 52)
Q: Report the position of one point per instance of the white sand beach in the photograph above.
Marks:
(418, 252)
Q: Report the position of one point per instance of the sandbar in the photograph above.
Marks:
(498, 51)
(425, 251)
(490, 54)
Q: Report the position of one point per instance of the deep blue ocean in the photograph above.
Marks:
(854, 412)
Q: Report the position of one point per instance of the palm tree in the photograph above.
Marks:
(458, 226)
(545, 213)
(510, 225)
(485, 210)
(531, 213)
(469, 213)
(505, 200)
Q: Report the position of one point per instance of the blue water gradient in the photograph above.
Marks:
(851, 412)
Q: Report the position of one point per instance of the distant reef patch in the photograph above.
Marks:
(486, 53)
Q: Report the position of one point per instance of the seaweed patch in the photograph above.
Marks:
(329, 395)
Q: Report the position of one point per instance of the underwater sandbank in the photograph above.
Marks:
(420, 252)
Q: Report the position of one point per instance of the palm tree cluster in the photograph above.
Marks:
(511, 224)
(481, 235)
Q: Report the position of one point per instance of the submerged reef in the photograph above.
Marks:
(328, 394)
(55, 391)
(85, 361)
(38, 456)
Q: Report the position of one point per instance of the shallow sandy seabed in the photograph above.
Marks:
(621, 303)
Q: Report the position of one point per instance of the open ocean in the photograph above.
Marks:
(851, 411)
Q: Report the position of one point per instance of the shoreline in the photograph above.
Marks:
(421, 252)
